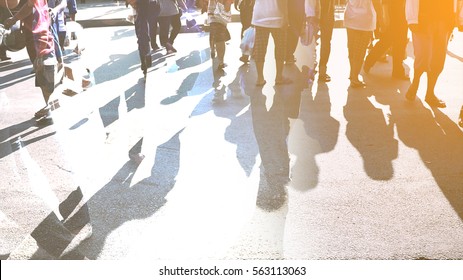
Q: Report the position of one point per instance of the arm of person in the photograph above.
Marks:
(58, 9)
(25, 11)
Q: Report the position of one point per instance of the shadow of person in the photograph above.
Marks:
(271, 129)
(371, 134)
(118, 202)
(10, 137)
(439, 143)
(322, 130)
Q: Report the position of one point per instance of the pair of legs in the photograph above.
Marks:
(357, 43)
(430, 49)
(260, 50)
(217, 37)
(326, 33)
(396, 37)
(296, 10)
(167, 39)
(246, 10)
(147, 13)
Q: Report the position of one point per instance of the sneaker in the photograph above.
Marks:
(42, 113)
(244, 59)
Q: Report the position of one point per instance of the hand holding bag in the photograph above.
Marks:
(247, 43)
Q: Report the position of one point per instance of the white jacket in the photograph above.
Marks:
(412, 9)
(270, 13)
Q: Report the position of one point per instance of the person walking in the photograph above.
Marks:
(360, 22)
(218, 12)
(296, 8)
(169, 19)
(270, 17)
(327, 8)
(245, 7)
(147, 12)
(394, 31)
(431, 24)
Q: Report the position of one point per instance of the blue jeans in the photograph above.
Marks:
(147, 13)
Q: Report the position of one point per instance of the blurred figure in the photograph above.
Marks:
(147, 12)
(72, 8)
(219, 33)
(296, 19)
(245, 7)
(394, 29)
(360, 22)
(327, 8)
(431, 24)
(45, 64)
(169, 19)
(270, 17)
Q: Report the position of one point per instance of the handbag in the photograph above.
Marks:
(308, 32)
(247, 43)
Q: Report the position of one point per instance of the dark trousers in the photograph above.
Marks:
(326, 32)
(395, 37)
(164, 25)
(296, 19)
(147, 13)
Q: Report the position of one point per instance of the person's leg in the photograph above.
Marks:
(246, 19)
(143, 40)
(164, 25)
(422, 52)
(153, 24)
(399, 40)
(380, 48)
(296, 10)
(440, 38)
(260, 50)
(326, 33)
(176, 25)
(358, 43)
(279, 38)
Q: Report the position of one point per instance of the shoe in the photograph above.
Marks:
(244, 59)
(433, 101)
(42, 113)
(357, 84)
(5, 58)
(325, 78)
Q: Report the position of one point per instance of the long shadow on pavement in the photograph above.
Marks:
(118, 202)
